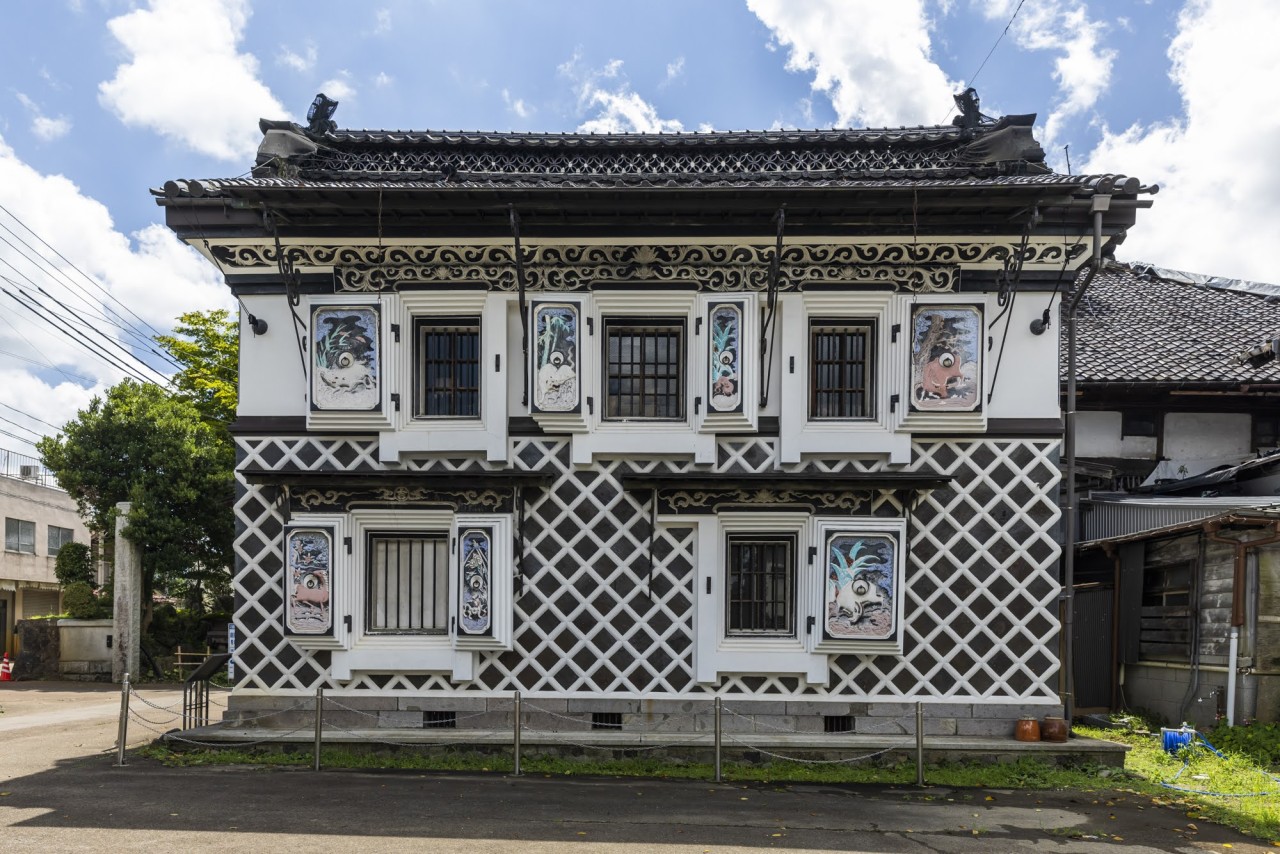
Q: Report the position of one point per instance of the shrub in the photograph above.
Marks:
(80, 603)
(74, 564)
(1259, 741)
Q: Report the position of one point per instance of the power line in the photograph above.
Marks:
(29, 415)
(45, 364)
(22, 426)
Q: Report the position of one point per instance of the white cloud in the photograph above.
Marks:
(517, 105)
(382, 21)
(383, 80)
(45, 127)
(186, 79)
(339, 88)
(1218, 210)
(619, 109)
(871, 58)
(1083, 67)
(675, 70)
(153, 274)
(304, 61)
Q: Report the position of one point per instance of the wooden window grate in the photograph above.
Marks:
(761, 585)
(447, 369)
(840, 370)
(408, 583)
(644, 371)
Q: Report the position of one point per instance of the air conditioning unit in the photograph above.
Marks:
(29, 471)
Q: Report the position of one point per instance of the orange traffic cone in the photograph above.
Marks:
(6, 669)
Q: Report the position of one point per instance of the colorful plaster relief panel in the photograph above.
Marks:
(308, 577)
(946, 358)
(474, 609)
(725, 358)
(861, 575)
(345, 371)
(555, 386)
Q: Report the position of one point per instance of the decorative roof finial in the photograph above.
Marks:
(970, 116)
(320, 115)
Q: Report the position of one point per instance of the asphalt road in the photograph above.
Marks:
(59, 791)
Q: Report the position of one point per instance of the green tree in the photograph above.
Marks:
(207, 346)
(74, 563)
(148, 446)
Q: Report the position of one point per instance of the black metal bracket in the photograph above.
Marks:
(395, 332)
(894, 399)
(653, 531)
(524, 312)
(518, 538)
(346, 541)
(292, 286)
(346, 621)
(813, 553)
(395, 400)
(771, 304)
(893, 333)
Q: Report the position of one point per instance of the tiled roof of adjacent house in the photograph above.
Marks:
(1137, 324)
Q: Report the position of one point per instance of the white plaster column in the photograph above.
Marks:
(128, 601)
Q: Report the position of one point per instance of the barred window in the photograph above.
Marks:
(408, 583)
(58, 537)
(20, 536)
(644, 370)
(761, 585)
(1165, 630)
(447, 370)
(840, 369)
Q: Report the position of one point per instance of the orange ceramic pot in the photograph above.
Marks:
(1054, 729)
(1027, 729)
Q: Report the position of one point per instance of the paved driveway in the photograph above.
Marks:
(60, 792)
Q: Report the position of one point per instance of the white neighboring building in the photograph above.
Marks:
(38, 518)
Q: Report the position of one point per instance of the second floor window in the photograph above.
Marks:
(447, 369)
(840, 367)
(19, 536)
(644, 370)
(58, 537)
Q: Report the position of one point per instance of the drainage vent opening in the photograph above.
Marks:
(606, 720)
(439, 720)
(837, 723)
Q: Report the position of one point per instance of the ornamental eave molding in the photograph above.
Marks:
(924, 266)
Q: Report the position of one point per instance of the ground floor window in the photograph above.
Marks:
(762, 584)
(408, 583)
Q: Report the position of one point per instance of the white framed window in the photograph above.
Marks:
(780, 592)
(644, 369)
(19, 536)
(842, 354)
(418, 590)
(58, 537)
(451, 349)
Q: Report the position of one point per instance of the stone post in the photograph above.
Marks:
(128, 601)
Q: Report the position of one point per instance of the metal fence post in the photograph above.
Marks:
(123, 734)
(717, 707)
(516, 737)
(919, 743)
(319, 723)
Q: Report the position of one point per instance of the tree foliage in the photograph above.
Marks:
(207, 346)
(144, 445)
(74, 563)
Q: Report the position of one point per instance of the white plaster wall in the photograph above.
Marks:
(1098, 435)
(1027, 383)
(272, 381)
(1206, 435)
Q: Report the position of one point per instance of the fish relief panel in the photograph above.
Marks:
(725, 359)
(345, 368)
(860, 600)
(475, 551)
(308, 578)
(555, 369)
(946, 358)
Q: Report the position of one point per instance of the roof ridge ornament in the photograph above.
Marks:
(320, 114)
(971, 116)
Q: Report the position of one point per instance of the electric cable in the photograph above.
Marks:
(973, 79)
(29, 415)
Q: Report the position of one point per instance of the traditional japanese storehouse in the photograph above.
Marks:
(627, 421)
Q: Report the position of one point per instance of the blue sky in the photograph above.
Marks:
(102, 99)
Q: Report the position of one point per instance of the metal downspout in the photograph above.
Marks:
(1099, 205)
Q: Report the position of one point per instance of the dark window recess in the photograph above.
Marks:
(1137, 424)
(20, 536)
(1165, 630)
(644, 370)
(447, 372)
(439, 720)
(761, 585)
(407, 583)
(1266, 431)
(840, 370)
(837, 723)
(606, 720)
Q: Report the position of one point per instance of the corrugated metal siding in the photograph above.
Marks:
(38, 603)
(1104, 519)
